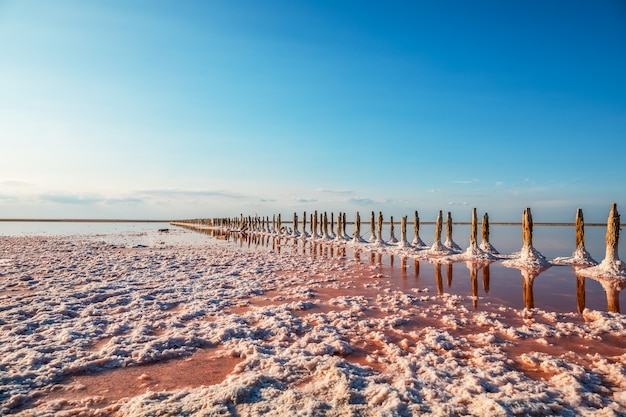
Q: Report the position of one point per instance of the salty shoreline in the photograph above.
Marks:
(327, 336)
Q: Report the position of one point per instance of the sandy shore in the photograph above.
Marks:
(96, 328)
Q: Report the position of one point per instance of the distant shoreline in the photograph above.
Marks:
(86, 220)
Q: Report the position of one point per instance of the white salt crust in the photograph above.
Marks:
(62, 296)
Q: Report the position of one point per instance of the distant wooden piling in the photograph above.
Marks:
(449, 243)
(527, 232)
(379, 230)
(344, 234)
(356, 238)
(295, 224)
(373, 227)
(438, 229)
(304, 232)
(485, 245)
(325, 226)
(332, 225)
(612, 235)
(473, 231)
(392, 236)
(403, 241)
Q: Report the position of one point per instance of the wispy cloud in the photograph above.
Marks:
(65, 198)
(324, 190)
(363, 201)
(458, 203)
(306, 200)
(267, 200)
(191, 193)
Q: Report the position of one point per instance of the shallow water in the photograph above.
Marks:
(554, 289)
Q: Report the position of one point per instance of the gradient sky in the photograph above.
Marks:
(169, 109)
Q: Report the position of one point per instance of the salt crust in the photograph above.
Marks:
(60, 296)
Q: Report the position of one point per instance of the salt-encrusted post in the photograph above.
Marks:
(392, 236)
(379, 231)
(474, 231)
(343, 227)
(438, 229)
(612, 236)
(417, 242)
(314, 225)
(325, 226)
(527, 233)
(485, 245)
(357, 229)
(295, 224)
(372, 225)
(449, 242)
(279, 225)
(403, 242)
(332, 225)
(304, 233)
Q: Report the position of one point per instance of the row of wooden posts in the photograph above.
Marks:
(322, 227)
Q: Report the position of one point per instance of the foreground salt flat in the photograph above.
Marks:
(281, 333)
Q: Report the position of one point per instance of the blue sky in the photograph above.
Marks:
(164, 109)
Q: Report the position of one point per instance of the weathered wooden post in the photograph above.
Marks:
(485, 245)
(357, 229)
(527, 233)
(296, 233)
(612, 236)
(325, 226)
(417, 242)
(392, 236)
(279, 224)
(343, 227)
(449, 242)
(437, 246)
(403, 242)
(314, 225)
(379, 230)
(331, 235)
(473, 232)
(304, 232)
(372, 224)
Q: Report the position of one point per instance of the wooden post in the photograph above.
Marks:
(279, 224)
(612, 236)
(403, 242)
(295, 224)
(438, 229)
(474, 231)
(485, 245)
(314, 225)
(343, 227)
(356, 238)
(379, 231)
(417, 242)
(392, 236)
(527, 232)
(372, 224)
(325, 226)
(332, 225)
(304, 233)
(449, 242)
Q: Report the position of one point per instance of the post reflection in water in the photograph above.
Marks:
(486, 276)
(473, 268)
(439, 278)
(612, 288)
(586, 296)
(580, 293)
